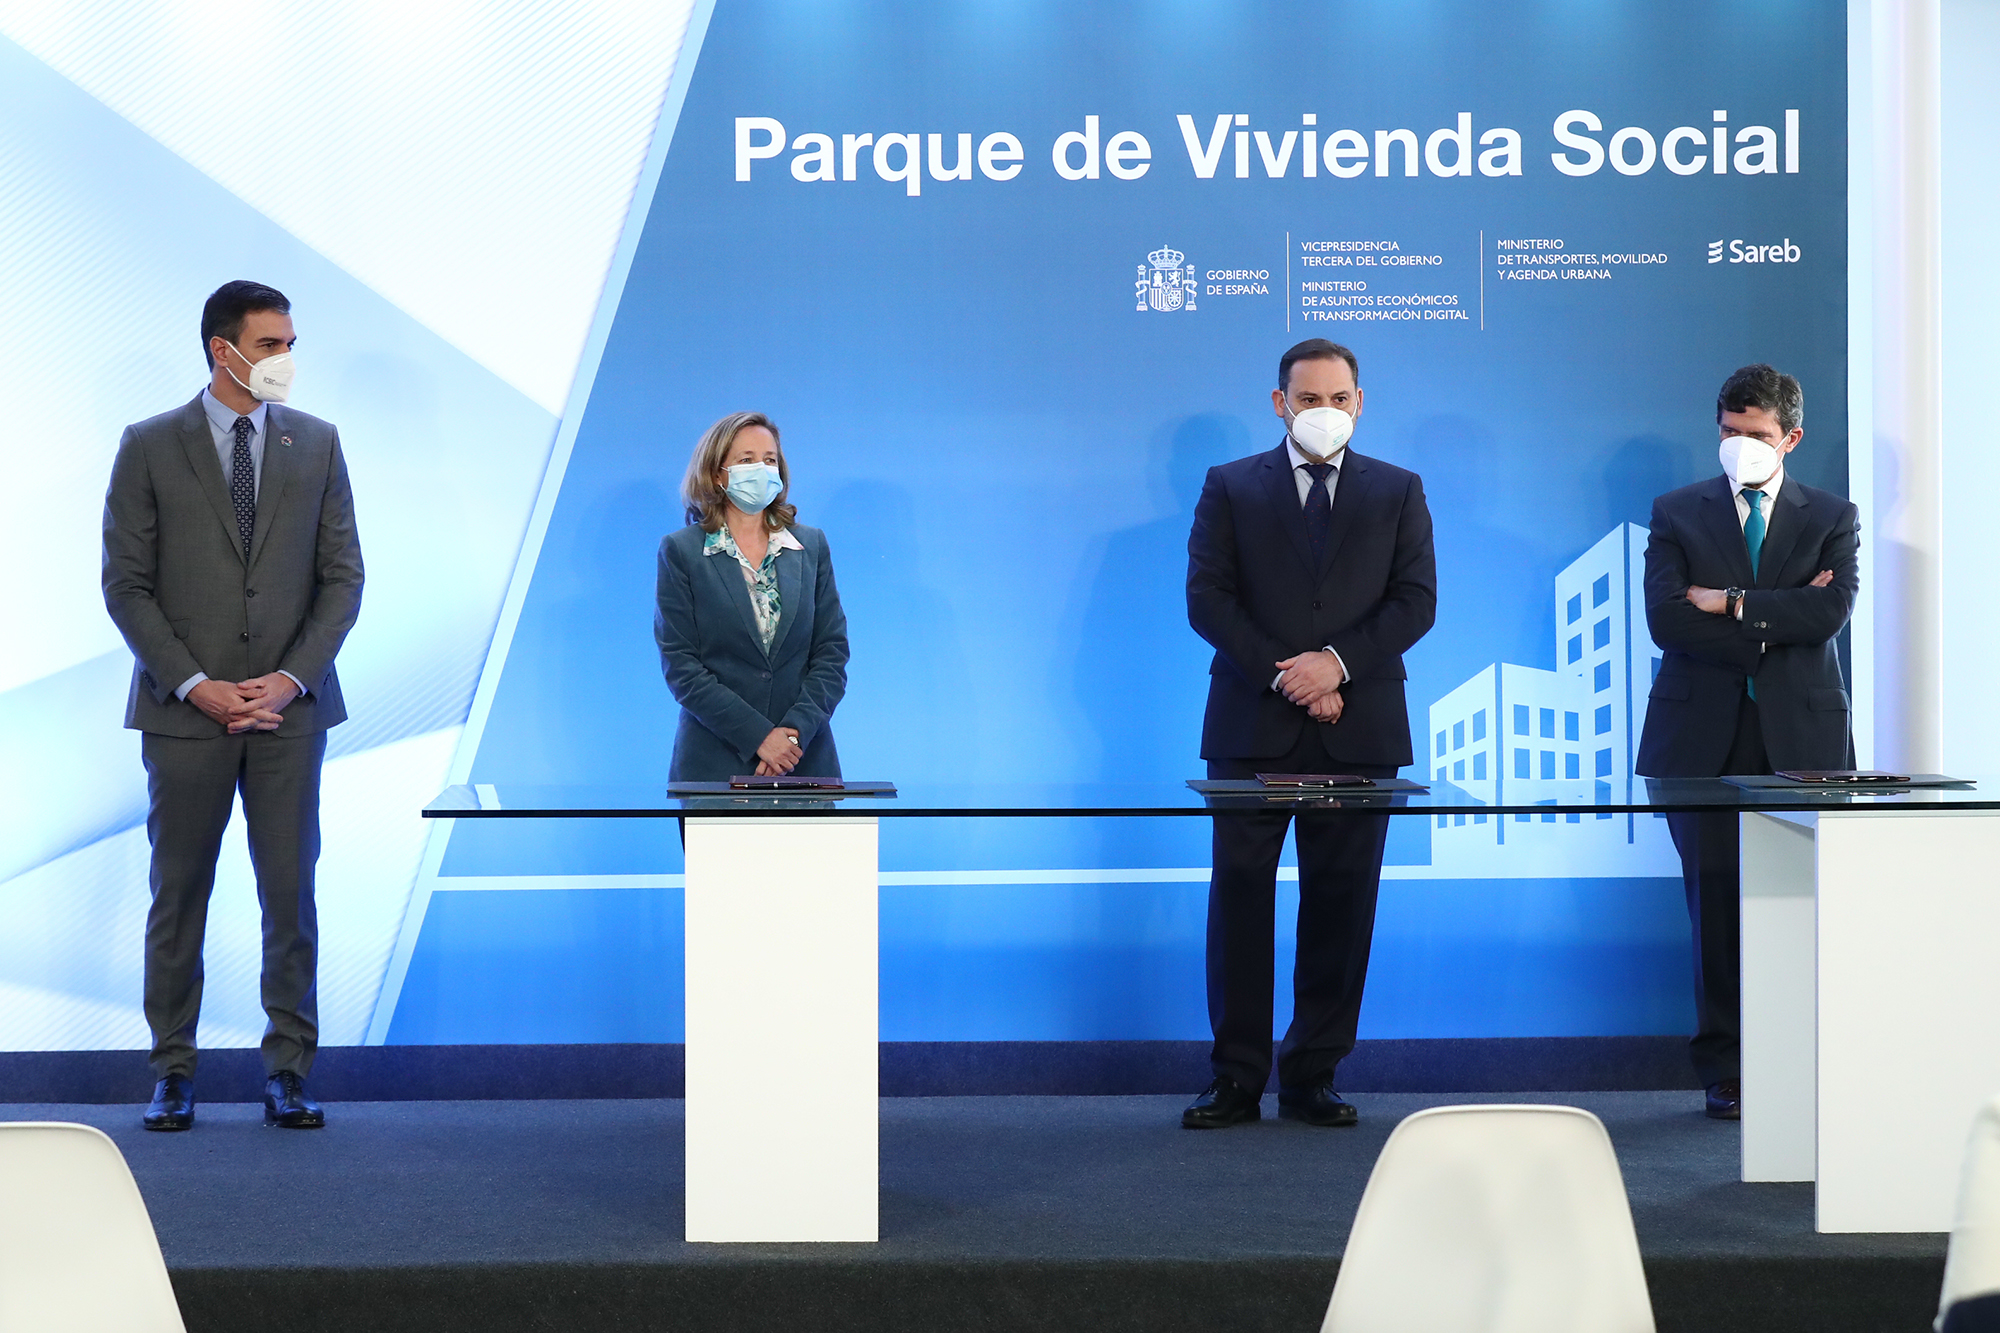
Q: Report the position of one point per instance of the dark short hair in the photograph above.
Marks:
(1766, 387)
(1315, 349)
(222, 314)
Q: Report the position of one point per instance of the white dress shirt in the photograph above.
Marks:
(222, 428)
(1304, 479)
(1770, 489)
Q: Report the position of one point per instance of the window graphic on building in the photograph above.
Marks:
(1522, 734)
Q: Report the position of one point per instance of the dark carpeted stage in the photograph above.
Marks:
(998, 1212)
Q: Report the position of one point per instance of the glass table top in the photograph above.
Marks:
(1179, 798)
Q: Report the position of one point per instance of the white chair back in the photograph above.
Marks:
(1493, 1219)
(1972, 1263)
(77, 1249)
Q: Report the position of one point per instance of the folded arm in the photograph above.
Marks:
(1676, 624)
(1817, 612)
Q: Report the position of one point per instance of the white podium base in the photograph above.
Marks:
(1869, 995)
(783, 1111)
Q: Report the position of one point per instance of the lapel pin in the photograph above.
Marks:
(285, 440)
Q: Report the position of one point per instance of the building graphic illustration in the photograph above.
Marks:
(1517, 734)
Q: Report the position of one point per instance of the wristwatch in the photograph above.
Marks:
(1735, 598)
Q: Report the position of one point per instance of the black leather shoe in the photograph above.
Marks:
(286, 1104)
(1225, 1102)
(1317, 1104)
(1725, 1100)
(172, 1106)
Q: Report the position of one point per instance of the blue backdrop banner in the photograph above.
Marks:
(1010, 277)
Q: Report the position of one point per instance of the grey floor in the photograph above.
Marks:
(426, 1183)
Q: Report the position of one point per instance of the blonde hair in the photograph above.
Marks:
(704, 499)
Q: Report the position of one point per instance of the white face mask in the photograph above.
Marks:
(270, 379)
(1321, 432)
(1749, 462)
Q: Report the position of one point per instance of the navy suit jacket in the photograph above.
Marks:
(1801, 700)
(732, 693)
(1254, 593)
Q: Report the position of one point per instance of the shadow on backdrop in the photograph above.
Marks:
(905, 705)
(603, 713)
(1641, 469)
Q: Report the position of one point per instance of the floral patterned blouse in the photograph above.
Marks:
(762, 579)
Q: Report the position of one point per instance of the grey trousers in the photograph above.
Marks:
(193, 786)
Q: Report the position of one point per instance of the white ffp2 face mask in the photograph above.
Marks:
(270, 379)
(1321, 431)
(1748, 461)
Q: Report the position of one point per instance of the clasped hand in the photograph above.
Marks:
(246, 705)
(779, 754)
(1312, 681)
(1716, 602)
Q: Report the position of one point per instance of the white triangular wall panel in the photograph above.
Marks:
(472, 162)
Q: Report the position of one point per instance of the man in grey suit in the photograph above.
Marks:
(232, 569)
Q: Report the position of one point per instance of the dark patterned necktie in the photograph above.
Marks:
(1319, 511)
(243, 484)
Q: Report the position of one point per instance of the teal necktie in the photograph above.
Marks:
(1753, 537)
(1753, 527)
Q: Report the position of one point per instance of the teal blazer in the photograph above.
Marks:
(732, 692)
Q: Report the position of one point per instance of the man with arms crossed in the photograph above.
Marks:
(1750, 576)
(1310, 571)
(232, 569)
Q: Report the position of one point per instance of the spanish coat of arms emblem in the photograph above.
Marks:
(1165, 283)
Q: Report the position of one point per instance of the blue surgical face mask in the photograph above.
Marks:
(752, 486)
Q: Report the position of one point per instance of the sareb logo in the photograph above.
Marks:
(1737, 252)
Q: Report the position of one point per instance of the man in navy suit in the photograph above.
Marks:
(1310, 571)
(1750, 577)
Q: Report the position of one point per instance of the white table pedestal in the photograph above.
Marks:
(783, 1111)
(1871, 1006)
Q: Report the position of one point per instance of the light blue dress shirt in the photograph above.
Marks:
(222, 426)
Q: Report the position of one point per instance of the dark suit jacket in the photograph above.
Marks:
(731, 692)
(180, 591)
(1801, 699)
(1254, 594)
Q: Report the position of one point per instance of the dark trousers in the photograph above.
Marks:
(1711, 870)
(1340, 868)
(193, 786)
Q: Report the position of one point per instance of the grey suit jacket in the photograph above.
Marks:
(180, 591)
(731, 692)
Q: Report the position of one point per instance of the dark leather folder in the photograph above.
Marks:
(1314, 781)
(754, 782)
(1840, 776)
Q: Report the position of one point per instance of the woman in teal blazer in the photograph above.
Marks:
(748, 621)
